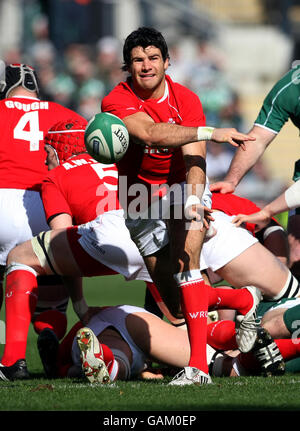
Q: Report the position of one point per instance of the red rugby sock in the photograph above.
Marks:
(194, 304)
(20, 302)
(235, 299)
(289, 347)
(221, 335)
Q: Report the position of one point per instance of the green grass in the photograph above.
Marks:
(237, 394)
(255, 393)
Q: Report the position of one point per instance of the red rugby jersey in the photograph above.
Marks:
(24, 121)
(179, 105)
(81, 187)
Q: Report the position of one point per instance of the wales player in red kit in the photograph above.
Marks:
(24, 120)
(167, 146)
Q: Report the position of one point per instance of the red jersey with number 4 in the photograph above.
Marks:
(178, 105)
(82, 188)
(24, 121)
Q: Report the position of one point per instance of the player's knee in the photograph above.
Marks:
(273, 325)
(14, 255)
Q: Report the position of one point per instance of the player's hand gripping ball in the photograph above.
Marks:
(106, 138)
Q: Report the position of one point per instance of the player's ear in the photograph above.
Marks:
(166, 64)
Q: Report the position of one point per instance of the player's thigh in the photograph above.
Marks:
(24, 254)
(54, 253)
(158, 339)
(273, 322)
(256, 266)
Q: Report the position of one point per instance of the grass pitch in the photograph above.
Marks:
(246, 394)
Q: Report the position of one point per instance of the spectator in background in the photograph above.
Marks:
(259, 185)
(108, 60)
(61, 88)
(42, 51)
(89, 98)
(218, 158)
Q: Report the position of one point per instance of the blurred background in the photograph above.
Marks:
(230, 52)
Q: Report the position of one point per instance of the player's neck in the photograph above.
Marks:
(22, 92)
(146, 94)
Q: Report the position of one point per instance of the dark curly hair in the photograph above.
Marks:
(143, 36)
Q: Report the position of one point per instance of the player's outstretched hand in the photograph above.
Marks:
(222, 187)
(232, 136)
(260, 219)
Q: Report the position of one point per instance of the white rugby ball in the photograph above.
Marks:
(106, 138)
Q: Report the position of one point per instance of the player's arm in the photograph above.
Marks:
(288, 200)
(243, 161)
(60, 221)
(194, 155)
(144, 130)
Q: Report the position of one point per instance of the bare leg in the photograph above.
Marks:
(158, 339)
(258, 267)
(273, 322)
(64, 260)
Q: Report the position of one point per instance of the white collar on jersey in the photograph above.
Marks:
(24, 97)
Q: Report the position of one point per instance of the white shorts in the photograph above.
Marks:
(107, 240)
(21, 217)
(228, 243)
(150, 233)
(115, 317)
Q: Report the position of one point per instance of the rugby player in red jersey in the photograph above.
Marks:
(24, 121)
(167, 131)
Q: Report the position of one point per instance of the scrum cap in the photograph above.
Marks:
(19, 74)
(67, 138)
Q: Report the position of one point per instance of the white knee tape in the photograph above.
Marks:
(290, 289)
(15, 266)
(270, 230)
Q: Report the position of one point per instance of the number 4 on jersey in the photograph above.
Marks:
(34, 135)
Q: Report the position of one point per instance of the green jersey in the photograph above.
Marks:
(282, 103)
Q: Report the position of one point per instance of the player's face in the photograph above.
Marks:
(148, 71)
